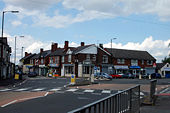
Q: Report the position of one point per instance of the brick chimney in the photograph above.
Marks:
(66, 45)
(54, 47)
(41, 50)
(26, 54)
(82, 43)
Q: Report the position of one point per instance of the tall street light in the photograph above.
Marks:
(112, 50)
(3, 13)
(15, 48)
(22, 49)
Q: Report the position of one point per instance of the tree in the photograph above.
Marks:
(166, 60)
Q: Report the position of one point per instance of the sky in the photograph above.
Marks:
(136, 24)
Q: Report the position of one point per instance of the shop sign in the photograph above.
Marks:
(121, 67)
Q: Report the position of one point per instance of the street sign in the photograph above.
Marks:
(73, 79)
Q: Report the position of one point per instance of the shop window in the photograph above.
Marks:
(105, 59)
(121, 61)
(86, 69)
(69, 69)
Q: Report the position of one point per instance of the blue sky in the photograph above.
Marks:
(142, 25)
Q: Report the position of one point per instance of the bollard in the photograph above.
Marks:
(73, 77)
(92, 78)
(140, 76)
(149, 77)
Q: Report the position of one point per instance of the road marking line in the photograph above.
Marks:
(106, 91)
(23, 89)
(96, 93)
(141, 93)
(72, 90)
(38, 89)
(89, 91)
(46, 94)
(78, 93)
(164, 90)
(9, 103)
(54, 89)
(5, 89)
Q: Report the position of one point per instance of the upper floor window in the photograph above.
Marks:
(69, 58)
(149, 62)
(57, 59)
(42, 61)
(120, 61)
(51, 60)
(36, 61)
(31, 61)
(94, 57)
(62, 59)
(88, 57)
(134, 62)
(142, 62)
(105, 59)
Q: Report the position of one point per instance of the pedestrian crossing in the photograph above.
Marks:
(60, 90)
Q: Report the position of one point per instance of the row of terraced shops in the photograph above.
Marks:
(89, 59)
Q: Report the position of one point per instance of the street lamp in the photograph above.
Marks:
(15, 48)
(3, 13)
(22, 52)
(112, 50)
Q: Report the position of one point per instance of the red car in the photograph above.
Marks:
(116, 75)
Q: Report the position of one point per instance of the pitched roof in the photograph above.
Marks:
(43, 54)
(27, 57)
(159, 65)
(59, 51)
(130, 54)
(78, 49)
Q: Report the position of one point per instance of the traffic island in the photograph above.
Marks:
(82, 83)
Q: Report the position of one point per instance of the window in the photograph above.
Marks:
(86, 70)
(51, 60)
(31, 62)
(57, 59)
(42, 61)
(149, 62)
(134, 62)
(142, 62)
(62, 59)
(94, 57)
(69, 69)
(88, 57)
(36, 61)
(105, 59)
(120, 61)
(69, 58)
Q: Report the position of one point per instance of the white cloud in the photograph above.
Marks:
(158, 48)
(16, 23)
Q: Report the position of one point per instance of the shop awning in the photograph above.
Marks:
(135, 67)
(121, 67)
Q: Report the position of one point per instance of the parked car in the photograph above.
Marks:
(145, 76)
(105, 75)
(128, 75)
(155, 75)
(32, 74)
(116, 75)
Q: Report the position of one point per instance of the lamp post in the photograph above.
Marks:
(3, 13)
(15, 48)
(111, 50)
(22, 52)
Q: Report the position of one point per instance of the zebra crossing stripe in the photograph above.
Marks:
(106, 91)
(89, 91)
(5, 90)
(57, 89)
(23, 89)
(38, 89)
(72, 90)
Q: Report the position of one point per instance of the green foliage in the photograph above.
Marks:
(166, 60)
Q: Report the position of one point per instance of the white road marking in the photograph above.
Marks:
(38, 89)
(5, 90)
(23, 89)
(106, 91)
(46, 94)
(57, 89)
(141, 93)
(89, 91)
(164, 90)
(9, 103)
(72, 90)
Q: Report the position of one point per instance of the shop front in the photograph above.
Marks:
(135, 70)
(121, 69)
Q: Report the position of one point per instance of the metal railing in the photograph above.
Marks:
(152, 90)
(127, 101)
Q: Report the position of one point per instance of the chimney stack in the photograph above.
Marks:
(66, 45)
(54, 47)
(41, 50)
(26, 54)
(82, 43)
